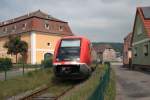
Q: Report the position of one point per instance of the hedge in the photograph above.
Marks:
(5, 64)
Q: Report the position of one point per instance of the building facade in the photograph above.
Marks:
(127, 49)
(105, 52)
(141, 37)
(109, 54)
(41, 31)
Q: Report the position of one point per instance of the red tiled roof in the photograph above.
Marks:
(101, 47)
(146, 21)
(37, 13)
(35, 22)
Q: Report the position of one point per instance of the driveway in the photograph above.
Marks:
(131, 85)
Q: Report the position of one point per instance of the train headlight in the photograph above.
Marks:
(78, 59)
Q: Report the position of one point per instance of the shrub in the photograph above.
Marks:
(29, 74)
(47, 63)
(5, 63)
(107, 63)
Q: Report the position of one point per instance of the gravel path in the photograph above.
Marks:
(132, 85)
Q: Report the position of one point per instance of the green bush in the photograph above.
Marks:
(5, 64)
(30, 74)
(107, 63)
(47, 63)
(27, 65)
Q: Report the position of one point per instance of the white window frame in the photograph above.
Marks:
(14, 28)
(24, 26)
(60, 28)
(5, 29)
(47, 26)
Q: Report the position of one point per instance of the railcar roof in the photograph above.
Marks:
(75, 37)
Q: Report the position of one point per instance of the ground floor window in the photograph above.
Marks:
(135, 51)
(145, 49)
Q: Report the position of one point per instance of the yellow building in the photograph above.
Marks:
(41, 31)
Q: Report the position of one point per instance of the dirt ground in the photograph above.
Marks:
(132, 85)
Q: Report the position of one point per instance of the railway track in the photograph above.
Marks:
(39, 94)
(43, 94)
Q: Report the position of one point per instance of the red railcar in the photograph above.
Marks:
(74, 57)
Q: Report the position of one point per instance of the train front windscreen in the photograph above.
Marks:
(69, 50)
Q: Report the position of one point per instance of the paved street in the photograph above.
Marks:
(13, 73)
(132, 85)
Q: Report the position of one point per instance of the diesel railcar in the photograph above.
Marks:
(74, 57)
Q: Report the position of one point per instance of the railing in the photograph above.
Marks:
(99, 92)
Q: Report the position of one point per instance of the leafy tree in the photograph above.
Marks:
(23, 52)
(16, 46)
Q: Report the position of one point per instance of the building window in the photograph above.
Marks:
(48, 44)
(24, 26)
(135, 51)
(14, 28)
(5, 29)
(46, 26)
(60, 28)
(145, 49)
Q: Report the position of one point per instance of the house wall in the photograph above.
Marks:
(26, 37)
(126, 47)
(36, 49)
(33, 30)
(141, 59)
(3, 51)
(109, 55)
(42, 47)
(143, 35)
(139, 40)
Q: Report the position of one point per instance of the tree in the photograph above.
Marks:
(16, 46)
(23, 52)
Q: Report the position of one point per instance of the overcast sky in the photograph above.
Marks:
(98, 20)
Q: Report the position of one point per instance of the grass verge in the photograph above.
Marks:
(29, 81)
(59, 86)
(110, 93)
(84, 90)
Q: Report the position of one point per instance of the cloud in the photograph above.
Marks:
(98, 20)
